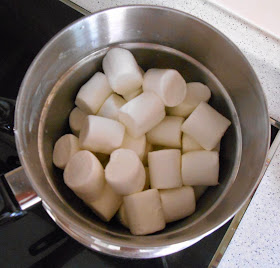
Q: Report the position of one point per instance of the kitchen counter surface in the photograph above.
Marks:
(256, 243)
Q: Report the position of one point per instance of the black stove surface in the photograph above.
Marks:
(35, 240)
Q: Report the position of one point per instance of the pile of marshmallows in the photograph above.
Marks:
(120, 125)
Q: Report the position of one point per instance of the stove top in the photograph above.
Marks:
(35, 240)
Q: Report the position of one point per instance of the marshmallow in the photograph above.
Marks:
(200, 168)
(164, 167)
(189, 144)
(110, 108)
(93, 94)
(141, 114)
(196, 93)
(168, 84)
(217, 147)
(149, 148)
(147, 182)
(122, 71)
(206, 126)
(65, 147)
(84, 175)
(121, 216)
(177, 203)
(167, 132)
(144, 212)
(125, 172)
(131, 95)
(106, 206)
(138, 145)
(199, 191)
(101, 135)
(76, 119)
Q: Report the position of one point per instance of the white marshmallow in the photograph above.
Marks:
(168, 84)
(125, 172)
(164, 167)
(141, 114)
(206, 126)
(147, 182)
(110, 108)
(138, 145)
(64, 148)
(177, 203)
(217, 147)
(199, 191)
(76, 119)
(106, 206)
(200, 168)
(122, 71)
(84, 175)
(101, 135)
(167, 132)
(121, 216)
(149, 148)
(144, 212)
(189, 144)
(93, 94)
(131, 95)
(196, 93)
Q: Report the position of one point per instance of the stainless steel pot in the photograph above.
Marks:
(158, 37)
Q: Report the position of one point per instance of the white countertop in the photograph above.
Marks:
(256, 242)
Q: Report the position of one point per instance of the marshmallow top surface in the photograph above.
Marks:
(93, 93)
(101, 135)
(65, 147)
(144, 212)
(142, 113)
(125, 172)
(206, 126)
(200, 168)
(122, 71)
(164, 168)
(84, 174)
(168, 84)
(196, 92)
(76, 119)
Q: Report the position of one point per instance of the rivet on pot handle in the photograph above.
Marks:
(16, 192)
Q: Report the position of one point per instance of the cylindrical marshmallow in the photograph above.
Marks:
(200, 168)
(122, 71)
(110, 108)
(217, 147)
(84, 175)
(149, 148)
(65, 147)
(106, 206)
(121, 216)
(189, 144)
(93, 93)
(199, 191)
(177, 203)
(101, 135)
(196, 93)
(147, 182)
(142, 113)
(76, 120)
(125, 172)
(168, 84)
(167, 132)
(144, 212)
(164, 167)
(138, 145)
(206, 126)
(133, 94)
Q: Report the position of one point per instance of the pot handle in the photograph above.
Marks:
(16, 192)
